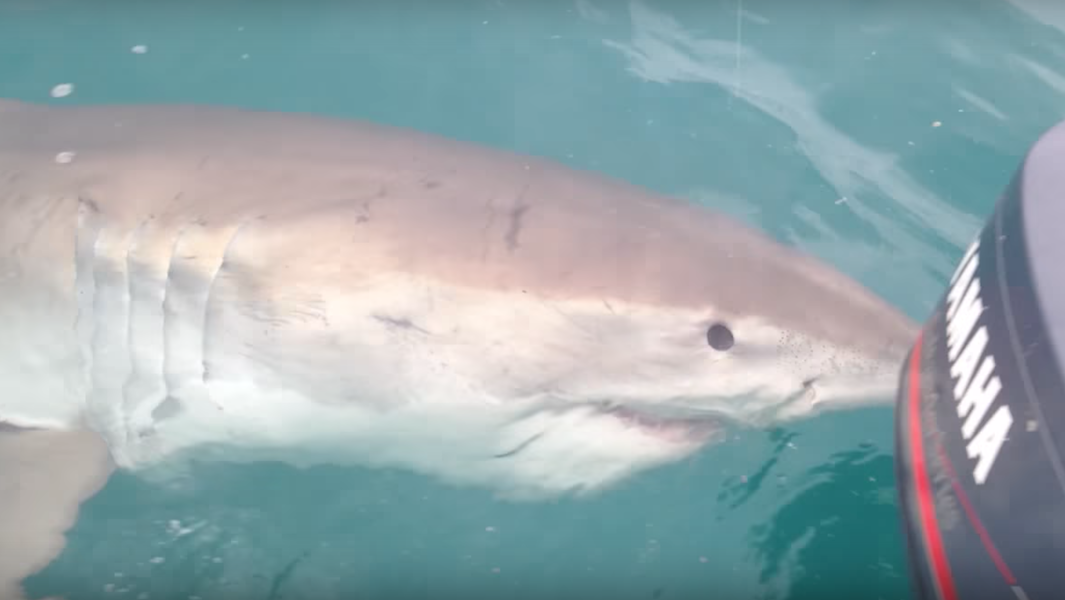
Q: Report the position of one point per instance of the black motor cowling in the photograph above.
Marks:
(980, 425)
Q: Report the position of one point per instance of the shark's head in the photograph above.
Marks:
(629, 337)
(610, 386)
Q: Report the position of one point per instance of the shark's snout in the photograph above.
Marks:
(868, 381)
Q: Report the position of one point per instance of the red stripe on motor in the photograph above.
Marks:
(974, 520)
(922, 485)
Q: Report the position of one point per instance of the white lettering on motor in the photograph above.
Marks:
(972, 366)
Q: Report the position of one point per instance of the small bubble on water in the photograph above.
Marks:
(63, 90)
(139, 49)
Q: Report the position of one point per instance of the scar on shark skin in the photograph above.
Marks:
(399, 322)
(514, 228)
(519, 447)
(6, 427)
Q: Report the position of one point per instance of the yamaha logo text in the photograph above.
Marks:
(972, 368)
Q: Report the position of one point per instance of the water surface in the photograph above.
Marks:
(874, 134)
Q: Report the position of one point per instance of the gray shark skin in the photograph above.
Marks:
(209, 282)
(180, 277)
(313, 289)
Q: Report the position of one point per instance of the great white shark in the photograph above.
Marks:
(183, 282)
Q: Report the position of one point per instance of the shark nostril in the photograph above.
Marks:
(809, 382)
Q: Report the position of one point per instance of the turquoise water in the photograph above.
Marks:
(874, 134)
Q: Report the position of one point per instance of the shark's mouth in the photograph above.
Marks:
(682, 431)
(676, 428)
(691, 427)
(669, 428)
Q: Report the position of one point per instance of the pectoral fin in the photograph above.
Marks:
(44, 477)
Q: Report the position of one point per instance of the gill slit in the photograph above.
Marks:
(140, 283)
(210, 295)
(168, 368)
(131, 376)
(86, 233)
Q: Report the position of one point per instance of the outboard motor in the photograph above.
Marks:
(980, 425)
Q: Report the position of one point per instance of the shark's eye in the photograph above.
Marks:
(720, 337)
